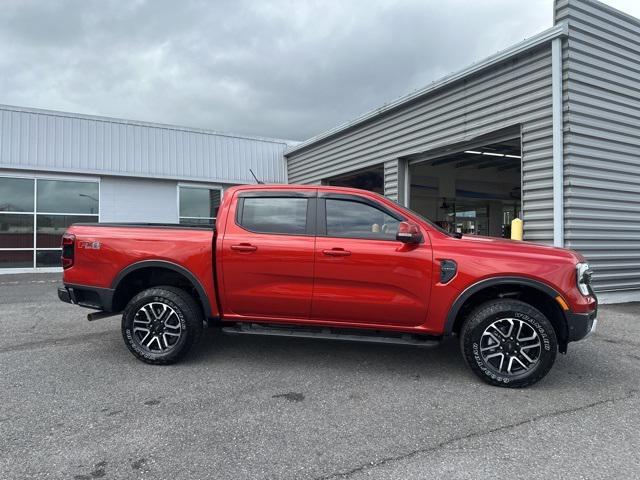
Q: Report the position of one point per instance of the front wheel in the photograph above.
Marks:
(508, 343)
(161, 324)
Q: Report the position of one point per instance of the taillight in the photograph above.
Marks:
(68, 243)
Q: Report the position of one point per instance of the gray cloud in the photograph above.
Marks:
(287, 68)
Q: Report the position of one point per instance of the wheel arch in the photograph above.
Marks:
(151, 268)
(543, 296)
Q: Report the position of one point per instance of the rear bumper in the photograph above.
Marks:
(581, 325)
(87, 296)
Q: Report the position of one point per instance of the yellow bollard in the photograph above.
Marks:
(516, 229)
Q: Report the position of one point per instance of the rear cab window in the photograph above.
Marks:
(285, 215)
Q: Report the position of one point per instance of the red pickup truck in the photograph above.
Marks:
(336, 263)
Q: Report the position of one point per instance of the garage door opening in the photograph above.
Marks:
(474, 191)
(371, 179)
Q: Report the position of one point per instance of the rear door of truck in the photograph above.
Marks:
(268, 254)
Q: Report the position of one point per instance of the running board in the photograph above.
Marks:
(332, 334)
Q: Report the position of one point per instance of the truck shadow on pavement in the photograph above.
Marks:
(216, 346)
(586, 362)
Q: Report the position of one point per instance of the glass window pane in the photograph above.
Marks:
(49, 228)
(275, 215)
(16, 230)
(16, 194)
(64, 196)
(48, 258)
(16, 259)
(356, 220)
(199, 202)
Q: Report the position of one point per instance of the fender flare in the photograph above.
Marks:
(204, 299)
(491, 282)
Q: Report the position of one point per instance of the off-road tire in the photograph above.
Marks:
(481, 318)
(187, 311)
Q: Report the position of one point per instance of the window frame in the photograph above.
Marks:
(311, 225)
(202, 186)
(34, 248)
(322, 214)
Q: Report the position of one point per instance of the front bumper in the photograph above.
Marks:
(581, 325)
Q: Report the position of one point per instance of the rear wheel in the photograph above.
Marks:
(161, 324)
(508, 343)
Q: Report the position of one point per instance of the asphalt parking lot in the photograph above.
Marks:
(76, 404)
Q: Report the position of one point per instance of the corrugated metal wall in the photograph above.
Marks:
(154, 200)
(54, 141)
(602, 140)
(517, 91)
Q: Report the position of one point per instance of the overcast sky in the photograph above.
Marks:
(288, 69)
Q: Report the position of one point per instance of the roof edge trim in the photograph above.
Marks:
(559, 30)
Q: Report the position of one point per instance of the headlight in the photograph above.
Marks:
(583, 277)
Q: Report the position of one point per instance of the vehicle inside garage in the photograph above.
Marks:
(475, 191)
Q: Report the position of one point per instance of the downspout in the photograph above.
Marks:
(558, 143)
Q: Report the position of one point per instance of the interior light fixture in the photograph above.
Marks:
(513, 156)
(491, 154)
(473, 151)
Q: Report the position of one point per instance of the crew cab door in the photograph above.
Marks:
(267, 254)
(363, 275)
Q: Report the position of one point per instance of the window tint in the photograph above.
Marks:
(358, 220)
(275, 215)
(63, 196)
(199, 203)
(59, 203)
(16, 259)
(16, 195)
(16, 231)
(48, 258)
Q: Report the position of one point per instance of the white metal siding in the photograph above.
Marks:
(54, 141)
(602, 141)
(138, 200)
(515, 92)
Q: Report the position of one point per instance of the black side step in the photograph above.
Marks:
(333, 334)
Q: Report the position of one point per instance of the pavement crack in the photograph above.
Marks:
(55, 342)
(446, 443)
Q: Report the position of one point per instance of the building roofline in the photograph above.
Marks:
(614, 11)
(141, 123)
(541, 38)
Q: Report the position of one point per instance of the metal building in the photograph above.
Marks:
(60, 168)
(548, 130)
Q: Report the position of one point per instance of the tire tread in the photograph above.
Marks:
(492, 307)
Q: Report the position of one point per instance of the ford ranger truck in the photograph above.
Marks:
(333, 263)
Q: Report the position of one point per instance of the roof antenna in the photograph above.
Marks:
(254, 176)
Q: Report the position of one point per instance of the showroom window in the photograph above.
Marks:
(34, 213)
(198, 205)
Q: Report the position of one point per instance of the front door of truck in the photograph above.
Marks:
(363, 275)
(267, 254)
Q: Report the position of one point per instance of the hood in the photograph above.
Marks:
(518, 246)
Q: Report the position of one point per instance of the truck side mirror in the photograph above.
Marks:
(408, 233)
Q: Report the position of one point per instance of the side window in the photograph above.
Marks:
(275, 215)
(348, 219)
